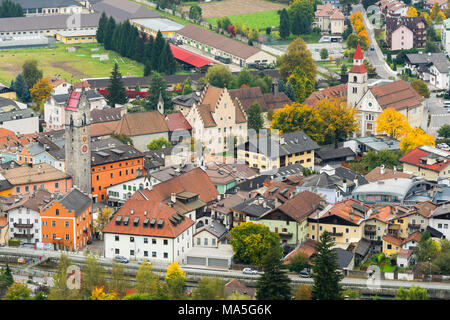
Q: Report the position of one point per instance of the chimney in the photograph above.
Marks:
(132, 212)
(275, 88)
(355, 181)
(345, 185)
(173, 197)
(382, 169)
(145, 213)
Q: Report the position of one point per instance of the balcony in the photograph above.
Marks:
(285, 235)
(23, 235)
(413, 226)
(336, 234)
(370, 232)
(23, 225)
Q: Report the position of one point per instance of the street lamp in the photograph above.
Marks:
(429, 261)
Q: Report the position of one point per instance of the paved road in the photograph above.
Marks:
(438, 115)
(375, 57)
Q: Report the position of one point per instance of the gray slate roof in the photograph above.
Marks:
(344, 257)
(217, 229)
(294, 142)
(91, 94)
(329, 153)
(122, 10)
(23, 113)
(112, 150)
(52, 22)
(33, 4)
(255, 207)
(438, 59)
(76, 200)
(186, 100)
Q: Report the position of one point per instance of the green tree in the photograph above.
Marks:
(323, 54)
(159, 143)
(157, 86)
(297, 55)
(302, 8)
(187, 86)
(31, 73)
(6, 279)
(373, 159)
(116, 90)
(18, 291)
(93, 276)
(60, 289)
(251, 241)
(414, 293)
(298, 262)
(219, 75)
(255, 119)
(303, 292)
(443, 262)
(108, 35)
(101, 27)
(21, 89)
(301, 85)
(444, 131)
(426, 248)
(146, 280)
(244, 78)
(10, 9)
(285, 25)
(325, 271)
(273, 284)
(138, 296)
(117, 282)
(209, 289)
(421, 88)
(195, 13)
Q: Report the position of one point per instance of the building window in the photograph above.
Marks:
(131, 239)
(166, 242)
(153, 241)
(145, 240)
(117, 251)
(116, 238)
(131, 252)
(154, 254)
(166, 255)
(57, 212)
(199, 241)
(67, 224)
(67, 236)
(53, 223)
(145, 253)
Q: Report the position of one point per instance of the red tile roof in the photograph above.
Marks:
(381, 214)
(344, 210)
(358, 69)
(398, 95)
(302, 205)
(148, 209)
(189, 57)
(176, 121)
(393, 240)
(307, 248)
(72, 102)
(196, 181)
(413, 236)
(413, 157)
(376, 175)
(339, 91)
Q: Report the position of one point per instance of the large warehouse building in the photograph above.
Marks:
(218, 45)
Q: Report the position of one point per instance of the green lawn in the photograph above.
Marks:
(257, 20)
(72, 66)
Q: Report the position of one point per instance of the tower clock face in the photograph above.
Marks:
(84, 138)
(84, 149)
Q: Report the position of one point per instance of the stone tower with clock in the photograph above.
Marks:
(78, 140)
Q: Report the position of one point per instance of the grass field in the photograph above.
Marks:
(72, 66)
(257, 20)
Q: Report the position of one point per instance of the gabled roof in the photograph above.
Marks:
(348, 211)
(398, 95)
(35, 174)
(418, 157)
(106, 114)
(148, 211)
(393, 240)
(376, 174)
(112, 150)
(413, 236)
(176, 121)
(301, 206)
(255, 207)
(267, 101)
(75, 200)
(123, 10)
(140, 123)
(220, 42)
(195, 180)
(338, 91)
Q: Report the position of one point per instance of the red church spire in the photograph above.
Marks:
(358, 53)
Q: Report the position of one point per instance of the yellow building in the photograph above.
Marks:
(5, 187)
(391, 245)
(276, 152)
(344, 220)
(168, 28)
(76, 36)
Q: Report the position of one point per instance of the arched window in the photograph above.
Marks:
(71, 120)
(355, 79)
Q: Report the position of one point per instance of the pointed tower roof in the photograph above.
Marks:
(358, 53)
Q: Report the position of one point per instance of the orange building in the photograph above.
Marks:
(113, 162)
(67, 221)
(30, 178)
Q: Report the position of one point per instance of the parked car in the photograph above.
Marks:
(304, 273)
(89, 242)
(372, 48)
(121, 259)
(249, 271)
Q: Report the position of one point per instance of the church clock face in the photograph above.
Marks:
(84, 149)
(84, 138)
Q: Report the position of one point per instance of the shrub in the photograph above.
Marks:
(13, 243)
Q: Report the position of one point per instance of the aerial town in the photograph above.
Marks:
(224, 150)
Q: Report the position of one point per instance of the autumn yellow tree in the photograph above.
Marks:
(434, 11)
(415, 138)
(440, 17)
(40, 93)
(99, 294)
(411, 12)
(426, 16)
(393, 123)
(303, 293)
(358, 26)
(176, 281)
(299, 117)
(356, 16)
(297, 55)
(337, 117)
(102, 219)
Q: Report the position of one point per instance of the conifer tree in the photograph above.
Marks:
(116, 89)
(101, 27)
(109, 33)
(325, 271)
(274, 284)
(285, 25)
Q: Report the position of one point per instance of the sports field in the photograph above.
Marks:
(72, 66)
(256, 20)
